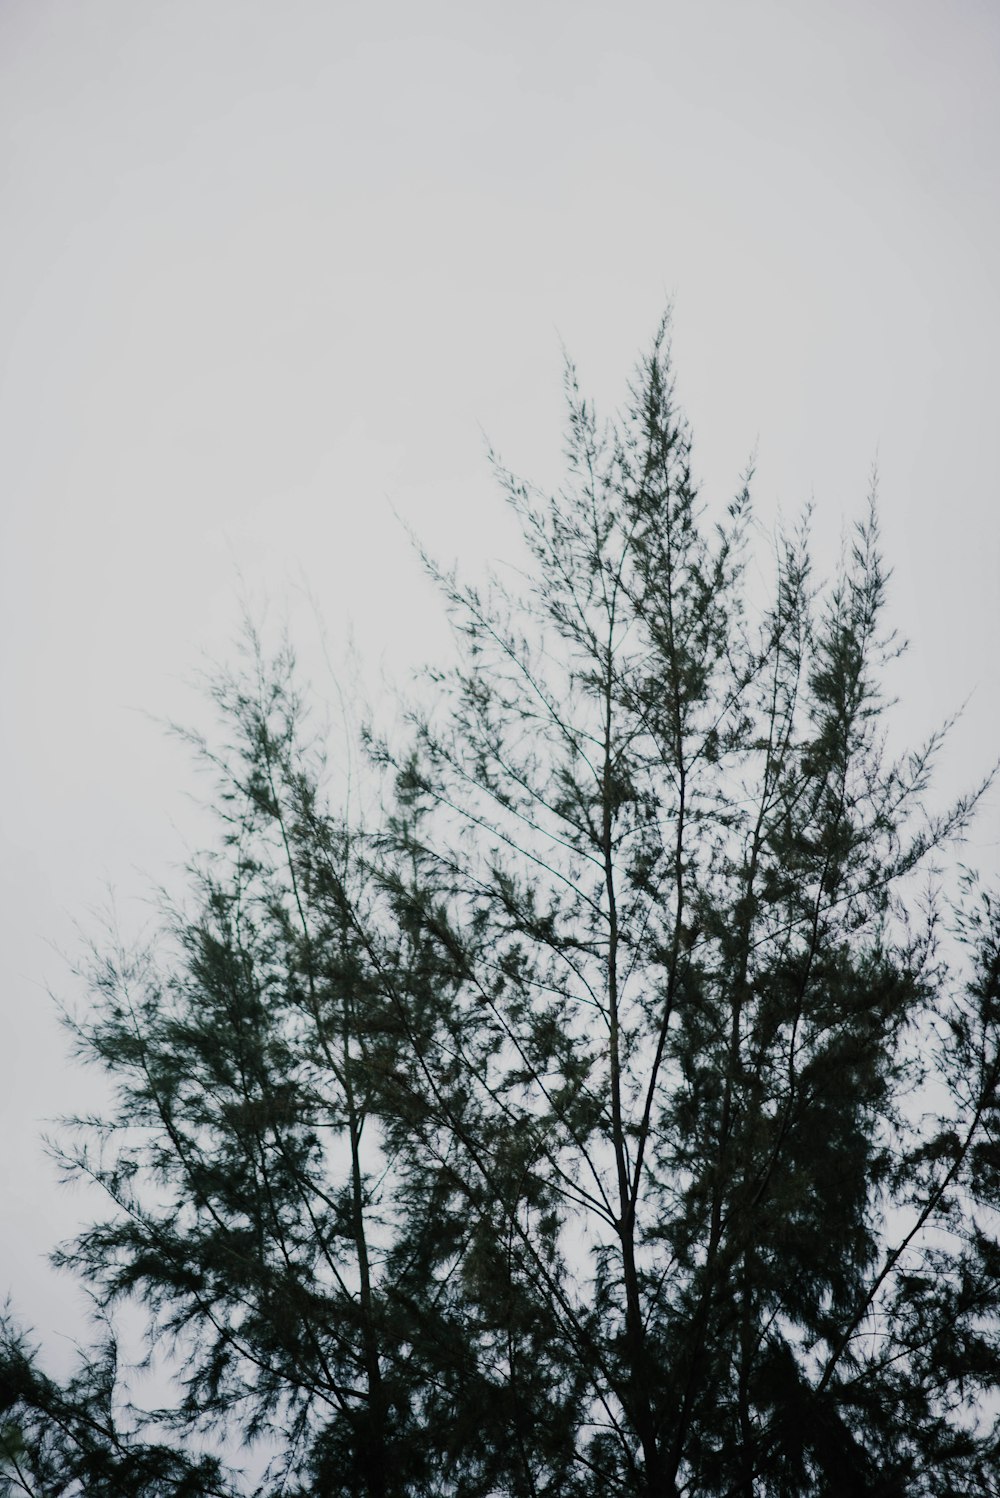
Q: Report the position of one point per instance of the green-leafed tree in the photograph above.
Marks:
(616, 1114)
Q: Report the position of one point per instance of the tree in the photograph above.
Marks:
(615, 1114)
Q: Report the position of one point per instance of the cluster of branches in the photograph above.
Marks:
(606, 1119)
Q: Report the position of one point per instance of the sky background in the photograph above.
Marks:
(272, 273)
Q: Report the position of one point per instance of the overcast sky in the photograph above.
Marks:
(269, 272)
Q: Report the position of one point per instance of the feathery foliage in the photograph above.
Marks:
(610, 1117)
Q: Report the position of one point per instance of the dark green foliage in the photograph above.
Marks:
(81, 1438)
(606, 1118)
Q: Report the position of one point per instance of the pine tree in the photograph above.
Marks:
(612, 1116)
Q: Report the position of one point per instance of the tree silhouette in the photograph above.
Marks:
(611, 1116)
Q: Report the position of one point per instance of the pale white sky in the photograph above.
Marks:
(268, 269)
